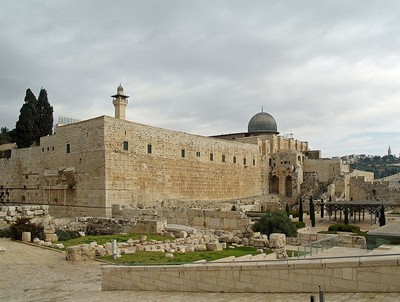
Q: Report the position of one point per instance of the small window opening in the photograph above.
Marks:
(126, 146)
(68, 148)
(234, 159)
(211, 156)
(183, 153)
(223, 158)
(149, 149)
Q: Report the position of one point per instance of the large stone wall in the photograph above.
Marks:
(72, 183)
(180, 166)
(374, 274)
(361, 190)
(83, 169)
(327, 169)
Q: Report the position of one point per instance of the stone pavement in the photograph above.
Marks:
(30, 273)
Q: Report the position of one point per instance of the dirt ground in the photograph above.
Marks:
(31, 273)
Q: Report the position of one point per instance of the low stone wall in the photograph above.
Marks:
(9, 214)
(207, 218)
(346, 239)
(105, 225)
(370, 274)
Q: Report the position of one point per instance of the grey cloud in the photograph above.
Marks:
(324, 69)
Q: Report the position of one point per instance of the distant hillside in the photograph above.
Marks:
(381, 166)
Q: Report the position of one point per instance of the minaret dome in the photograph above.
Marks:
(120, 101)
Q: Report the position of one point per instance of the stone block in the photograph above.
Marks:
(50, 237)
(59, 246)
(26, 237)
(182, 234)
(214, 246)
(80, 253)
(277, 240)
(200, 248)
(39, 212)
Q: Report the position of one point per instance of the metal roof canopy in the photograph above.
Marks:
(372, 206)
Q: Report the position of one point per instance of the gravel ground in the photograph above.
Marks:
(30, 273)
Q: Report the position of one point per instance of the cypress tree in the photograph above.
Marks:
(287, 209)
(301, 210)
(45, 115)
(322, 208)
(312, 212)
(346, 216)
(382, 218)
(26, 128)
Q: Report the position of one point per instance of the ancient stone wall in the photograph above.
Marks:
(144, 164)
(66, 171)
(9, 214)
(207, 218)
(327, 169)
(286, 174)
(87, 166)
(361, 190)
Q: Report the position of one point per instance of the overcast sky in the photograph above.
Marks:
(328, 71)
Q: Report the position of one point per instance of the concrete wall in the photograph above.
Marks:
(375, 274)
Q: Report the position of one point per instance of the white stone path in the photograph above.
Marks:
(29, 273)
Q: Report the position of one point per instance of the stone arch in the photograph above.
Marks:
(274, 185)
(288, 186)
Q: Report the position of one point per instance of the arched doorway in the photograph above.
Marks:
(288, 186)
(274, 185)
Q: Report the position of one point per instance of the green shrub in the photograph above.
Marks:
(5, 233)
(298, 224)
(66, 235)
(344, 228)
(25, 225)
(275, 222)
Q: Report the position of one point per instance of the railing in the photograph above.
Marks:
(287, 261)
(318, 246)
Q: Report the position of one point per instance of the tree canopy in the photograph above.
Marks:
(275, 222)
(6, 135)
(45, 114)
(26, 128)
(35, 119)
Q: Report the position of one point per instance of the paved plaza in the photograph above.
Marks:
(30, 273)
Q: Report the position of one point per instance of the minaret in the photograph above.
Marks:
(120, 102)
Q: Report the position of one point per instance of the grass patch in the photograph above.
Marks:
(159, 257)
(102, 239)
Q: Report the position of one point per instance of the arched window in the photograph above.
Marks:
(274, 185)
(288, 186)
